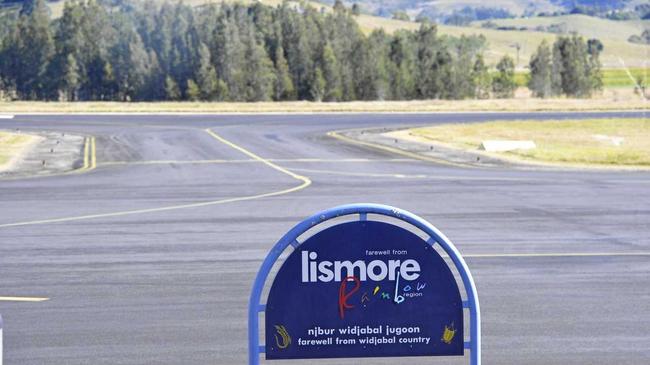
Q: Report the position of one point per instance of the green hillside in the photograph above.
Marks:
(445, 7)
(583, 24)
(612, 33)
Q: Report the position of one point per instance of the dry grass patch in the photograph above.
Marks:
(11, 145)
(615, 99)
(577, 142)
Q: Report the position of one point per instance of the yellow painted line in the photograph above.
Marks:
(90, 158)
(23, 299)
(335, 134)
(558, 254)
(250, 154)
(93, 154)
(305, 183)
(156, 210)
(89, 163)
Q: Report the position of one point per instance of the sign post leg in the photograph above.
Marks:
(253, 351)
(475, 335)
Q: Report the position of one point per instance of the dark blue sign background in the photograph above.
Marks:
(430, 307)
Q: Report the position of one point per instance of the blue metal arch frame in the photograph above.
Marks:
(1, 351)
(290, 238)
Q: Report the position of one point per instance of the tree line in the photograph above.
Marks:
(150, 51)
(572, 67)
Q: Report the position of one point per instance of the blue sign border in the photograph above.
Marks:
(435, 237)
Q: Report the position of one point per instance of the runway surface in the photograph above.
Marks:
(150, 257)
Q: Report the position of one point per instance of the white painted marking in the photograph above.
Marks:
(363, 174)
(629, 74)
(422, 176)
(307, 160)
(23, 299)
(557, 254)
(6, 116)
(614, 140)
(464, 178)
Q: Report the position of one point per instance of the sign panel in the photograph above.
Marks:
(363, 289)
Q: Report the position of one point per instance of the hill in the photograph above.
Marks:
(443, 10)
(612, 33)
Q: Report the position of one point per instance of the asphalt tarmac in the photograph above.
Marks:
(150, 257)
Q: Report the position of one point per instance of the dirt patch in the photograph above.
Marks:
(49, 153)
(385, 139)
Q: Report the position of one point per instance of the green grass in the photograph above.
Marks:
(521, 78)
(612, 78)
(560, 141)
(620, 78)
